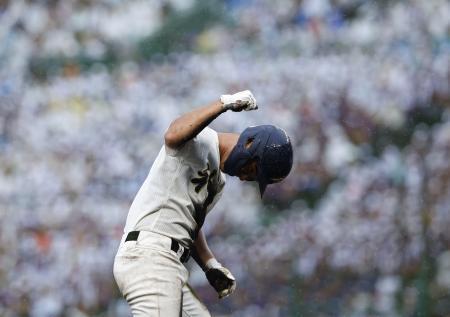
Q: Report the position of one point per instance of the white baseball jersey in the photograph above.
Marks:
(180, 189)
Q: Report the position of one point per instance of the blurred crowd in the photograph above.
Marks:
(361, 87)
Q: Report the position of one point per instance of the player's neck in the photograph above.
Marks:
(227, 141)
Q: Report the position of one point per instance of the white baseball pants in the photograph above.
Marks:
(153, 280)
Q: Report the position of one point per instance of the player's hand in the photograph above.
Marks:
(243, 100)
(220, 278)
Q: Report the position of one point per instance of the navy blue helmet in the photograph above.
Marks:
(270, 147)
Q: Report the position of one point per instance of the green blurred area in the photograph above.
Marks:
(177, 34)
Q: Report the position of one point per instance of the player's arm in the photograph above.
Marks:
(188, 125)
(218, 276)
(201, 252)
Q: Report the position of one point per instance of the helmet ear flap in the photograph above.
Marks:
(240, 154)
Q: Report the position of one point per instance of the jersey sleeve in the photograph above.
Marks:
(205, 142)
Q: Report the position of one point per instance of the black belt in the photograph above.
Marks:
(175, 245)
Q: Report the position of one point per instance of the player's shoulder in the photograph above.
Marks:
(206, 143)
(207, 139)
(207, 134)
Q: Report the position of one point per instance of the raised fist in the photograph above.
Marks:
(243, 100)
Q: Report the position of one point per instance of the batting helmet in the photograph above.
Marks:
(270, 146)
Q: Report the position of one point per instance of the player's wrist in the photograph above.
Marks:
(221, 108)
(212, 263)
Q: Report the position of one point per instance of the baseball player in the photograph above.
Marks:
(163, 227)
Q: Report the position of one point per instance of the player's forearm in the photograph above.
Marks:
(201, 252)
(190, 124)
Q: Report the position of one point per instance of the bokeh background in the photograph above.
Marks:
(359, 228)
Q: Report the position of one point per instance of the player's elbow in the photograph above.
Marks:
(171, 139)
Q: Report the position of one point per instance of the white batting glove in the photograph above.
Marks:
(243, 100)
(220, 278)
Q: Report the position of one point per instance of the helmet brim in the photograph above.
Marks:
(262, 188)
(263, 182)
